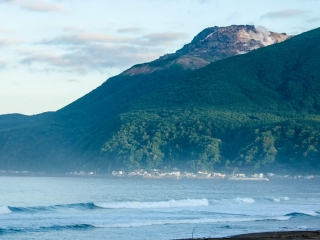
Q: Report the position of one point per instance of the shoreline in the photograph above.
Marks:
(154, 178)
(286, 235)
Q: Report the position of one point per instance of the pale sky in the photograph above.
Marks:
(55, 51)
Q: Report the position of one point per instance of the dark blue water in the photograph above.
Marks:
(112, 208)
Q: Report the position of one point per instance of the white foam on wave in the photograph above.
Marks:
(279, 199)
(188, 221)
(161, 204)
(282, 218)
(310, 213)
(245, 200)
(4, 210)
(233, 201)
(303, 227)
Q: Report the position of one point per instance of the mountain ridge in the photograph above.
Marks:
(165, 118)
(264, 119)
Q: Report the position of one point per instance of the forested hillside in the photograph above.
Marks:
(257, 111)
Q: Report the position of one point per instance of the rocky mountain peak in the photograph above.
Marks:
(216, 43)
(213, 44)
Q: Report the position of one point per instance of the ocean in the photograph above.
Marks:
(159, 209)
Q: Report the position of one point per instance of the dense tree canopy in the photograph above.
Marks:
(258, 111)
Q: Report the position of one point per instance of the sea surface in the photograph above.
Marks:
(130, 208)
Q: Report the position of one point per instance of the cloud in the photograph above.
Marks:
(315, 19)
(91, 57)
(82, 52)
(80, 37)
(73, 81)
(10, 41)
(3, 63)
(286, 13)
(164, 38)
(5, 30)
(37, 6)
(84, 38)
(129, 30)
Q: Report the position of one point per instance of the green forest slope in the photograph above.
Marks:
(258, 111)
(255, 111)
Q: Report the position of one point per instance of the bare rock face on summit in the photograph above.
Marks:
(213, 44)
(217, 43)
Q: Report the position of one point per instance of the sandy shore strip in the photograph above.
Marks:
(293, 235)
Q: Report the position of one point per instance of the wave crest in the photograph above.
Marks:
(245, 200)
(189, 221)
(233, 201)
(279, 199)
(46, 228)
(302, 214)
(161, 204)
(4, 210)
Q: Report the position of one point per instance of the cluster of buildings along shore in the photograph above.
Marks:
(205, 175)
(176, 174)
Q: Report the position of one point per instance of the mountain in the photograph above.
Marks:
(255, 111)
(213, 44)
(218, 43)
(189, 110)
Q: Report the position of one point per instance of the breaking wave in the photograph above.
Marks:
(190, 221)
(245, 200)
(135, 224)
(82, 206)
(66, 227)
(303, 214)
(161, 204)
(4, 210)
(106, 205)
(249, 200)
(45, 229)
(235, 200)
(279, 199)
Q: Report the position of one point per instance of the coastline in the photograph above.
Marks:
(289, 235)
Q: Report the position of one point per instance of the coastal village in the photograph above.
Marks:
(175, 174)
(206, 175)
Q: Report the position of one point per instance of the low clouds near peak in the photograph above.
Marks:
(129, 30)
(165, 38)
(84, 38)
(89, 58)
(80, 37)
(286, 13)
(83, 52)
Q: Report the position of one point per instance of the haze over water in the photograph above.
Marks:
(115, 208)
